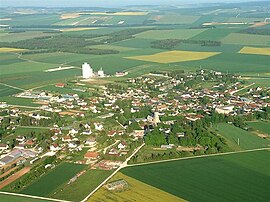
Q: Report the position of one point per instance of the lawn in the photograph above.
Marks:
(53, 179)
(247, 139)
(235, 177)
(82, 186)
(169, 34)
(255, 51)
(174, 56)
(247, 39)
(137, 191)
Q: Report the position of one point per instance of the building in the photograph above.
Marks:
(117, 185)
(224, 109)
(100, 73)
(91, 155)
(87, 71)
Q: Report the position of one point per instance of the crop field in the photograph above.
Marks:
(10, 37)
(260, 126)
(8, 198)
(77, 29)
(3, 49)
(169, 34)
(137, 191)
(242, 177)
(214, 34)
(50, 181)
(113, 47)
(81, 187)
(6, 91)
(247, 39)
(174, 56)
(234, 63)
(174, 19)
(256, 51)
(247, 140)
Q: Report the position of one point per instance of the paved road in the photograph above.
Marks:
(12, 86)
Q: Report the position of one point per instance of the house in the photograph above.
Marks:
(19, 146)
(87, 132)
(66, 138)
(60, 85)
(54, 138)
(3, 146)
(138, 133)
(113, 152)
(112, 133)
(91, 141)
(98, 126)
(20, 138)
(54, 147)
(91, 155)
(122, 145)
(73, 131)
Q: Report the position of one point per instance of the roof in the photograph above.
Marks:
(91, 155)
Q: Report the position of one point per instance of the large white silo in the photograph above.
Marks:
(87, 71)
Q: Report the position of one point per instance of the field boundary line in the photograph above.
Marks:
(30, 196)
(195, 157)
(12, 86)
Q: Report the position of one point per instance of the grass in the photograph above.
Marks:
(247, 39)
(82, 186)
(247, 139)
(54, 178)
(169, 34)
(137, 191)
(174, 56)
(236, 177)
(256, 51)
(9, 198)
(262, 127)
(18, 101)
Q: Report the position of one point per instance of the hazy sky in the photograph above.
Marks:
(102, 3)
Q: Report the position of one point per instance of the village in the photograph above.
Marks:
(103, 127)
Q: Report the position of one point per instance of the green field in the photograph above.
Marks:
(247, 139)
(79, 189)
(236, 177)
(10, 198)
(49, 182)
(170, 34)
(262, 127)
(247, 39)
(174, 19)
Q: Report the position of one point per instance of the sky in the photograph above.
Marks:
(102, 3)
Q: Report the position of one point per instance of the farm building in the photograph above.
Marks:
(117, 185)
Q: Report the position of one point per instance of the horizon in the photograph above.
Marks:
(107, 3)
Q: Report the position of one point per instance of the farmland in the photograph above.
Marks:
(6, 198)
(256, 51)
(137, 191)
(203, 179)
(260, 126)
(247, 139)
(81, 187)
(174, 56)
(50, 181)
(246, 39)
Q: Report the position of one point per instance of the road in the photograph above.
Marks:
(202, 156)
(105, 149)
(123, 165)
(242, 88)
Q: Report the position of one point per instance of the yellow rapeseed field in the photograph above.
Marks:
(77, 29)
(3, 49)
(137, 191)
(174, 56)
(118, 13)
(256, 51)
